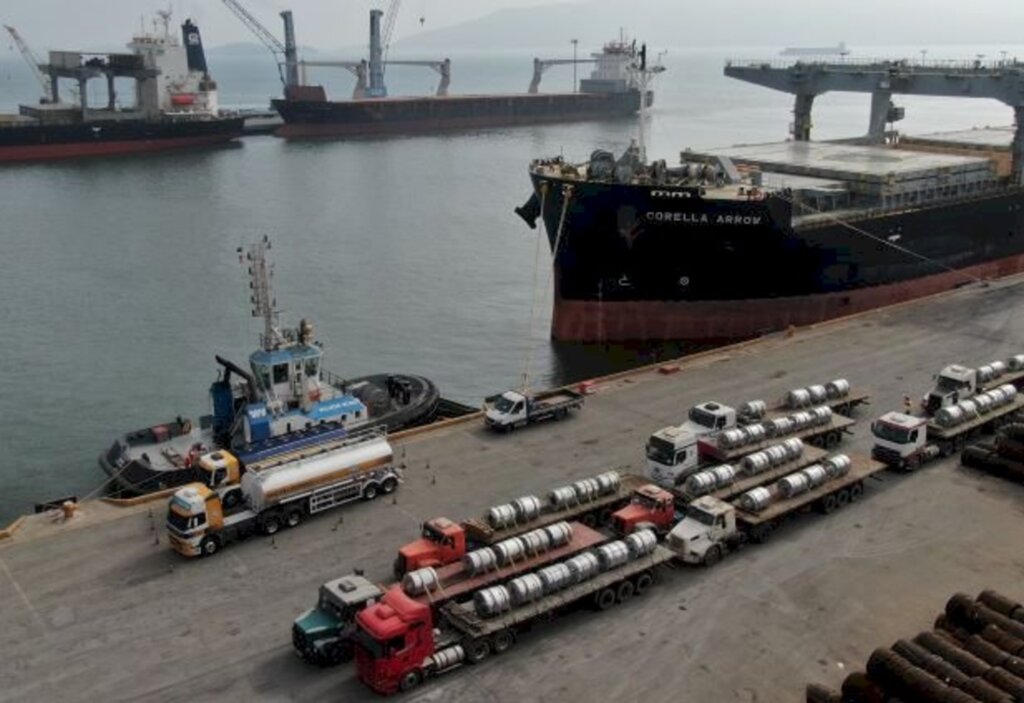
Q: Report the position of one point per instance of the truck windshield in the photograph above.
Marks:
(374, 648)
(945, 384)
(180, 522)
(660, 451)
(702, 417)
(503, 404)
(432, 534)
(645, 502)
(890, 433)
(701, 516)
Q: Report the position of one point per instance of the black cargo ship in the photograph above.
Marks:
(175, 103)
(610, 91)
(746, 240)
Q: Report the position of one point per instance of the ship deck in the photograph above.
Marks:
(100, 608)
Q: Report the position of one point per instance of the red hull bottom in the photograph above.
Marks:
(593, 321)
(329, 130)
(76, 150)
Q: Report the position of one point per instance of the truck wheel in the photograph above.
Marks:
(293, 518)
(605, 517)
(209, 546)
(389, 485)
(712, 556)
(856, 491)
(410, 680)
(832, 439)
(643, 582)
(271, 525)
(590, 520)
(477, 651)
(604, 599)
(370, 491)
(762, 533)
(625, 591)
(829, 503)
(563, 413)
(503, 641)
(842, 498)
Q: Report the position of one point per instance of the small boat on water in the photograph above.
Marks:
(285, 401)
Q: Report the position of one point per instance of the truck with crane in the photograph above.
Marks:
(590, 501)
(400, 642)
(511, 409)
(322, 635)
(714, 526)
(906, 442)
(231, 505)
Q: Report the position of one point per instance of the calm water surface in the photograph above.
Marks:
(119, 279)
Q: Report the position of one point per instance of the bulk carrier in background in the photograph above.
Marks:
(732, 243)
(174, 103)
(610, 91)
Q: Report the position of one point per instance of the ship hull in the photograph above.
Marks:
(321, 118)
(112, 138)
(643, 263)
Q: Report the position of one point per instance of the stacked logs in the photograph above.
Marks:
(974, 654)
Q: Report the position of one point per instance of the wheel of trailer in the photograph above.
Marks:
(815, 441)
(844, 409)
(271, 524)
(562, 413)
(604, 518)
(293, 518)
(503, 641)
(829, 503)
(410, 680)
(842, 498)
(590, 520)
(832, 439)
(762, 533)
(389, 485)
(477, 651)
(643, 582)
(713, 555)
(370, 491)
(856, 491)
(624, 591)
(604, 599)
(209, 546)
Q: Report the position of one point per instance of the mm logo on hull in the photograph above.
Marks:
(702, 218)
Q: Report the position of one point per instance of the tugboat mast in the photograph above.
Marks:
(262, 298)
(644, 74)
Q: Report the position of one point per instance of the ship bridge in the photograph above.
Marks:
(996, 80)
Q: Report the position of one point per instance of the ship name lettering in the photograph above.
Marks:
(701, 218)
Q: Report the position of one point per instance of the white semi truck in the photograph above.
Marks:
(201, 518)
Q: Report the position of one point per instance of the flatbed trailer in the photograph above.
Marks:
(962, 431)
(592, 513)
(845, 405)
(828, 435)
(456, 581)
(811, 455)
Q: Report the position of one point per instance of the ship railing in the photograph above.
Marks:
(966, 66)
(334, 381)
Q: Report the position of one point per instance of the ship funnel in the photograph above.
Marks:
(193, 47)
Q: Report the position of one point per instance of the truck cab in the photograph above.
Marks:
(701, 536)
(441, 542)
(508, 410)
(393, 641)
(322, 634)
(671, 456)
(193, 512)
(221, 472)
(953, 384)
(649, 505)
(899, 438)
(709, 417)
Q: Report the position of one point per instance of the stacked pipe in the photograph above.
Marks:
(495, 600)
(977, 406)
(973, 654)
(1003, 456)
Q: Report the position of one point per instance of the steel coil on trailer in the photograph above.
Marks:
(756, 409)
(525, 589)
(509, 550)
(535, 542)
(480, 560)
(583, 566)
(608, 482)
(420, 581)
(837, 465)
(793, 485)
(641, 543)
(817, 394)
(527, 508)
(492, 601)
(837, 389)
(559, 533)
(612, 555)
(562, 497)
(756, 499)
(555, 577)
(501, 516)
(798, 398)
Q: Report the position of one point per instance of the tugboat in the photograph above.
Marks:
(284, 401)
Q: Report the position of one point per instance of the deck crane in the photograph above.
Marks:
(285, 54)
(33, 63)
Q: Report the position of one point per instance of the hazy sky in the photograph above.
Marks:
(332, 24)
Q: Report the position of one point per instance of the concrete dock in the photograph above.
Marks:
(101, 609)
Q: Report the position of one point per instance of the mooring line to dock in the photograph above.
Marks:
(24, 597)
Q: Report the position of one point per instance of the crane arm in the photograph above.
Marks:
(261, 32)
(32, 61)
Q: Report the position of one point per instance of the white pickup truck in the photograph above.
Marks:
(514, 409)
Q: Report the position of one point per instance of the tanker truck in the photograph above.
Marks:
(906, 442)
(201, 519)
(712, 526)
(399, 642)
(323, 634)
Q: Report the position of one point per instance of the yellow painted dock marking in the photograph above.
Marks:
(24, 597)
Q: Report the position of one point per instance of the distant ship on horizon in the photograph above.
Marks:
(839, 49)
